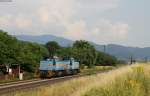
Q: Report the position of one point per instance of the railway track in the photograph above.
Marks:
(22, 85)
(9, 88)
(17, 82)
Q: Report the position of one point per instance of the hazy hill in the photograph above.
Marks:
(119, 51)
(124, 52)
(44, 39)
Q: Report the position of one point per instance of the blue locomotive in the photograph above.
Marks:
(56, 67)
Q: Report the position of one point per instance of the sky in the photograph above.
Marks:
(124, 22)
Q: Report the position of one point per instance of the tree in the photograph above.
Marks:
(106, 59)
(89, 56)
(65, 53)
(8, 48)
(52, 47)
(13, 51)
(31, 54)
(84, 52)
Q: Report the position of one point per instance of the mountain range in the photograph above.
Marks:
(121, 52)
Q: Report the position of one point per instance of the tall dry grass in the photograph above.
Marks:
(133, 80)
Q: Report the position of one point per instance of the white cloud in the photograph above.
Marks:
(76, 30)
(44, 15)
(63, 18)
(107, 30)
(5, 21)
(104, 30)
(23, 22)
(100, 5)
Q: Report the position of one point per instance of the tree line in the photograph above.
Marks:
(29, 54)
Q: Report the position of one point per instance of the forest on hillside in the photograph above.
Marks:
(29, 55)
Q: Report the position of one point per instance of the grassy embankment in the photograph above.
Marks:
(96, 69)
(131, 80)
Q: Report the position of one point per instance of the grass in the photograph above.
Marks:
(27, 76)
(96, 69)
(9, 80)
(133, 80)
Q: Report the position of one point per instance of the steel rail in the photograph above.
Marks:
(16, 82)
(35, 83)
(30, 84)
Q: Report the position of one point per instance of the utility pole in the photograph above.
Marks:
(131, 59)
(104, 48)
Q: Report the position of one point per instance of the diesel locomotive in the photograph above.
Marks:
(55, 67)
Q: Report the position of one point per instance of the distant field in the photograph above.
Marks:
(133, 80)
